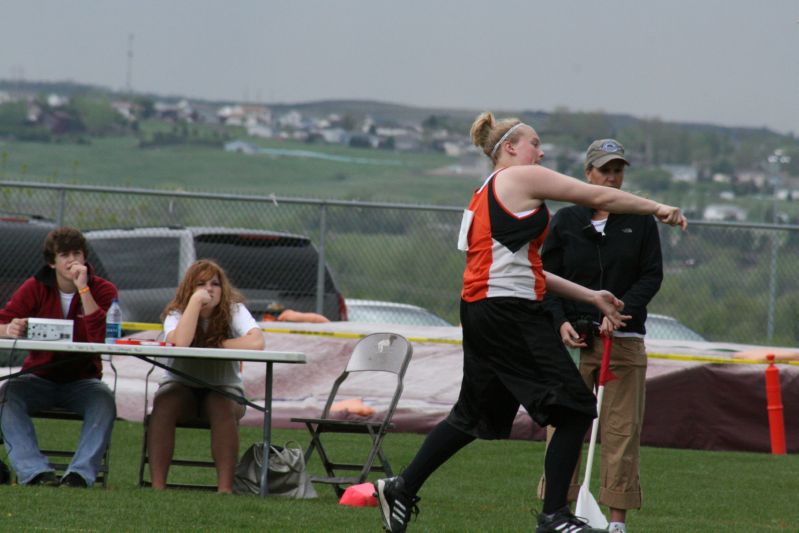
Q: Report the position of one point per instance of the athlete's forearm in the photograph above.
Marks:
(567, 289)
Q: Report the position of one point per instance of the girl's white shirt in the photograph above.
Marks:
(226, 374)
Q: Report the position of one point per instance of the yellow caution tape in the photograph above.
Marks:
(715, 359)
(336, 334)
(140, 326)
(347, 335)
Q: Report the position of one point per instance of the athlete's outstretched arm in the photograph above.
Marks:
(537, 182)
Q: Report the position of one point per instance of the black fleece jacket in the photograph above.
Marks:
(626, 261)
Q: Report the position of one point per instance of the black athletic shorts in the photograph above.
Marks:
(513, 356)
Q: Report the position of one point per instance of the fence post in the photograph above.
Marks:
(772, 286)
(62, 200)
(320, 267)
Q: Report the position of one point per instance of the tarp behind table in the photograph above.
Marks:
(431, 384)
(716, 406)
(688, 404)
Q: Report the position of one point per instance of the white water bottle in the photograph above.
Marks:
(113, 323)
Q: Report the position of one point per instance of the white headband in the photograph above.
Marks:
(505, 137)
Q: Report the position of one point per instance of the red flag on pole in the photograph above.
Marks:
(605, 374)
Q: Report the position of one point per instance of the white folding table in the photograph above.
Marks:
(147, 352)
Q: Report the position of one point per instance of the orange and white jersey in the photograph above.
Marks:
(502, 257)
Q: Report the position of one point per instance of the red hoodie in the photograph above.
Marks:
(38, 297)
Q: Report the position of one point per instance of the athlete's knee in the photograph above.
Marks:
(566, 418)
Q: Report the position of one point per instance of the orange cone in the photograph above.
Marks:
(776, 423)
(359, 496)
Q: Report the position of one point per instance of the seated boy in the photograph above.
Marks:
(65, 288)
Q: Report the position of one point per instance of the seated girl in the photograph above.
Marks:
(207, 312)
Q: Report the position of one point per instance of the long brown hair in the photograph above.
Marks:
(218, 327)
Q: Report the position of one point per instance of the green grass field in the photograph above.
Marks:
(118, 161)
(488, 486)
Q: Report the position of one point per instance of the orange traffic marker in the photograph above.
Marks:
(776, 423)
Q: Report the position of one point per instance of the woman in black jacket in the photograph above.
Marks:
(621, 254)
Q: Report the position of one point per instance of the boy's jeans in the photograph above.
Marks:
(28, 393)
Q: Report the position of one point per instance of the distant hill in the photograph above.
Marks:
(378, 110)
(709, 147)
(66, 88)
(382, 111)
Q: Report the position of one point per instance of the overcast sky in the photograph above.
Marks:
(728, 62)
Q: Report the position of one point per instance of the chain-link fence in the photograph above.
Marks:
(728, 281)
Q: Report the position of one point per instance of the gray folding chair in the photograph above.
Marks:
(380, 353)
(176, 461)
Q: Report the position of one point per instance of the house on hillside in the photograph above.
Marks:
(454, 148)
(60, 122)
(682, 173)
(126, 109)
(334, 135)
(260, 130)
(174, 112)
(244, 115)
(561, 158)
(291, 119)
(409, 142)
(724, 212)
(204, 112)
(364, 140)
(787, 193)
(34, 112)
(756, 178)
(56, 100)
(368, 124)
(241, 147)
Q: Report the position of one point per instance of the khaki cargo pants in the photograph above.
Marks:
(621, 418)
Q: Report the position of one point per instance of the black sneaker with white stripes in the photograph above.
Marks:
(395, 504)
(564, 521)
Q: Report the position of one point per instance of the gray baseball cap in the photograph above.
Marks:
(602, 151)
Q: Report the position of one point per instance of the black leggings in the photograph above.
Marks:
(561, 457)
(441, 444)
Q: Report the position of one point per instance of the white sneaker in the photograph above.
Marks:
(617, 528)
